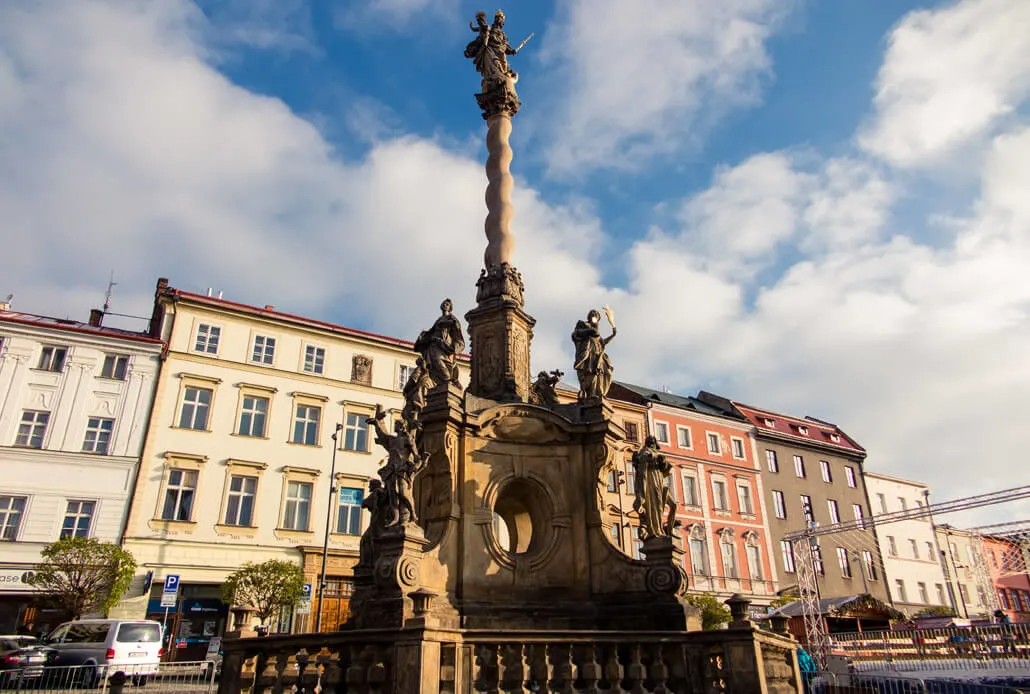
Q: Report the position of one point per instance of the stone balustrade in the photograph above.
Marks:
(742, 659)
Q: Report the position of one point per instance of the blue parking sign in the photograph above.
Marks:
(306, 591)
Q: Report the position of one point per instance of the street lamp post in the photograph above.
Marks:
(328, 524)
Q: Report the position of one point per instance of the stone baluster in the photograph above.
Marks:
(658, 671)
(231, 680)
(539, 667)
(514, 675)
(614, 673)
(284, 672)
(675, 657)
(715, 676)
(378, 671)
(265, 674)
(635, 671)
(590, 671)
(307, 672)
(448, 668)
(562, 676)
(356, 675)
(486, 677)
(331, 672)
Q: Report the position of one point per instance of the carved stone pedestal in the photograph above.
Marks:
(500, 332)
(383, 585)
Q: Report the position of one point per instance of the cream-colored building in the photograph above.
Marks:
(238, 457)
(911, 555)
(74, 402)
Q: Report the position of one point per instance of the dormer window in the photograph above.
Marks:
(803, 430)
(770, 423)
(835, 438)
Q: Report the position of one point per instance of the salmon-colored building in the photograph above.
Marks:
(717, 488)
(1007, 563)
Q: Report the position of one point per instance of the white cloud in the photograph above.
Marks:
(391, 14)
(645, 78)
(950, 77)
(125, 149)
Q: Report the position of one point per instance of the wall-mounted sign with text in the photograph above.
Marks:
(15, 580)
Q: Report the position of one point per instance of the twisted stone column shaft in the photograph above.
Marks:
(500, 242)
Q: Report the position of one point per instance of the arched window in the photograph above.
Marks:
(698, 550)
(754, 555)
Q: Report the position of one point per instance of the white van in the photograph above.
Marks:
(103, 647)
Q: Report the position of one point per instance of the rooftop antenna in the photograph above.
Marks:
(111, 284)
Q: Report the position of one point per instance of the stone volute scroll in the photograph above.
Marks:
(441, 345)
(653, 499)
(593, 367)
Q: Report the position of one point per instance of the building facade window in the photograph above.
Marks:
(306, 421)
(899, 589)
(806, 508)
(914, 546)
(253, 414)
(52, 358)
(779, 506)
(844, 562)
(78, 517)
(239, 504)
(869, 565)
(179, 493)
(32, 428)
(930, 551)
(713, 443)
(892, 546)
(11, 510)
(824, 467)
(963, 593)
(753, 552)
(941, 599)
(661, 432)
(616, 535)
(98, 435)
(771, 462)
(924, 597)
(632, 432)
(264, 350)
(729, 556)
(737, 447)
(787, 552)
(719, 499)
(903, 503)
(799, 466)
(698, 552)
(636, 543)
(297, 509)
(744, 499)
(849, 475)
(690, 490)
(883, 502)
(630, 479)
(196, 405)
(683, 438)
(314, 359)
(856, 510)
(613, 485)
(404, 372)
(348, 510)
(834, 509)
(817, 560)
(355, 433)
(207, 339)
(115, 366)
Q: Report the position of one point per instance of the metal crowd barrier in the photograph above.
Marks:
(975, 682)
(951, 648)
(171, 678)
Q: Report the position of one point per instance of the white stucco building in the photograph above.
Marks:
(237, 461)
(74, 403)
(911, 554)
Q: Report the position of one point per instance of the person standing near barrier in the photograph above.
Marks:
(808, 669)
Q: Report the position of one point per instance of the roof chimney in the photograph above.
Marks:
(96, 317)
(5, 303)
(269, 307)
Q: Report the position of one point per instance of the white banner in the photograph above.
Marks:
(15, 580)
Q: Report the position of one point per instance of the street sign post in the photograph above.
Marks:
(304, 604)
(170, 593)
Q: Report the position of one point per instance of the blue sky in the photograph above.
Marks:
(817, 207)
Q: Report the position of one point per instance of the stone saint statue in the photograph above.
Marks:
(651, 476)
(543, 392)
(419, 383)
(441, 345)
(489, 52)
(376, 502)
(403, 461)
(593, 367)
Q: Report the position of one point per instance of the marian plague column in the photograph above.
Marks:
(499, 327)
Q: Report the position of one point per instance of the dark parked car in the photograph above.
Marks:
(22, 658)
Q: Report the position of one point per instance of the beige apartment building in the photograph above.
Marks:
(236, 465)
(812, 471)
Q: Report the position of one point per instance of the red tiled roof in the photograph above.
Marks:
(806, 428)
(74, 326)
